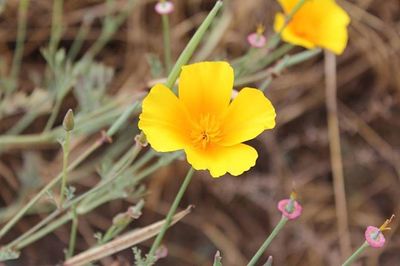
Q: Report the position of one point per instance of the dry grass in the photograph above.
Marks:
(234, 214)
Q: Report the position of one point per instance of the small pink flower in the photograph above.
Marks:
(374, 237)
(164, 7)
(256, 40)
(297, 209)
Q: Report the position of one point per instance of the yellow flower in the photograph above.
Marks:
(204, 122)
(318, 23)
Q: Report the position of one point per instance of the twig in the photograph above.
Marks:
(127, 240)
(336, 156)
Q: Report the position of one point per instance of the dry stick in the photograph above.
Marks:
(336, 156)
(127, 240)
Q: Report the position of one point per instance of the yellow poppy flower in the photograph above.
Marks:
(204, 122)
(318, 23)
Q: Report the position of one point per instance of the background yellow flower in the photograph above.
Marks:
(318, 23)
(204, 122)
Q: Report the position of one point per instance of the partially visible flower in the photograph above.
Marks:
(318, 23)
(204, 122)
(290, 208)
(374, 236)
(164, 7)
(257, 39)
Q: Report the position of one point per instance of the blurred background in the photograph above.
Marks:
(232, 214)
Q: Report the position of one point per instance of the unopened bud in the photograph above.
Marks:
(68, 122)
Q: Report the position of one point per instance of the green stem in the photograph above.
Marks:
(171, 213)
(356, 254)
(53, 115)
(19, 49)
(38, 235)
(80, 37)
(44, 190)
(192, 45)
(33, 235)
(65, 147)
(56, 27)
(167, 42)
(74, 229)
(268, 241)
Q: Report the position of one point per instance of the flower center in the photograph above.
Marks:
(206, 130)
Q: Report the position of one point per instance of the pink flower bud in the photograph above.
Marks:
(256, 40)
(164, 7)
(374, 237)
(296, 212)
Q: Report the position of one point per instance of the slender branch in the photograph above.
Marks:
(356, 254)
(336, 155)
(19, 49)
(167, 42)
(171, 212)
(268, 241)
(74, 229)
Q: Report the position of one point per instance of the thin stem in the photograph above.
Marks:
(336, 155)
(356, 254)
(19, 49)
(113, 129)
(74, 229)
(46, 230)
(192, 45)
(167, 42)
(65, 147)
(33, 235)
(53, 115)
(56, 26)
(78, 41)
(268, 241)
(171, 212)
(44, 190)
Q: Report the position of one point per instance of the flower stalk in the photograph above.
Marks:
(192, 45)
(171, 212)
(167, 42)
(68, 125)
(74, 229)
(268, 241)
(356, 254)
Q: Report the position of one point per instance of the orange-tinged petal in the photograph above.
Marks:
(206, 87)
(288, 35)
(334, 34)
(220, 159)
(287, 5)
(249, 114)
(163, 120)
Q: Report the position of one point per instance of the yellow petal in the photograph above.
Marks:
(321, 23)
(219, 159)
(334, 34)
(163, 120)
(288, 35)
(249, 114)
(206, 87)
